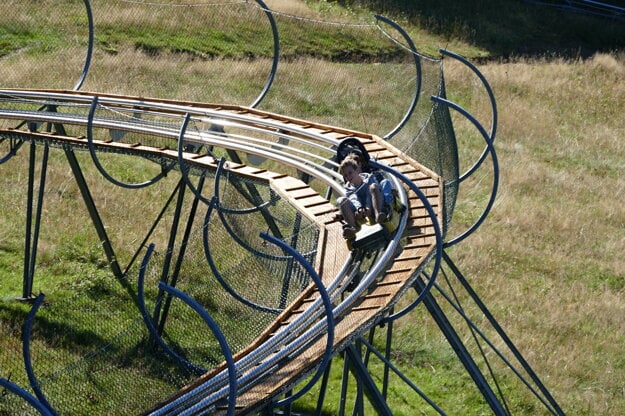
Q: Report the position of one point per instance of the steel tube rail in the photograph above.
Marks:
(278, 134)
(120, 124)
(223, 120)
(291, 332)
(237, 142)
(251, 125)
(201, 137)
(319, 171)
(193, 108)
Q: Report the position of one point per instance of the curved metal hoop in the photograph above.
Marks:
(96, 160)
(149, 323)
(214, 205)
(223, 343)
(437, 232)
(230, 210)
(217, 273)
(327, 303)
(490, 148)
(491, 96)
(14, 388)
(32, 379)
(276, 53)
(185, 171)
(224, 221)
(417, 61)
(85, 69)
(244, 211)
(242, 242)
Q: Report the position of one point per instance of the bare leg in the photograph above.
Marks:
(346, 211)
(378, 203)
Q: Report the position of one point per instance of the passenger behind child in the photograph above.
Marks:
(363, 198)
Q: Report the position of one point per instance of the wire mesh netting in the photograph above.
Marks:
(221, 52)
(239, 52)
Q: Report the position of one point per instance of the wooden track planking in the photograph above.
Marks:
(378, 299)
(419, 241)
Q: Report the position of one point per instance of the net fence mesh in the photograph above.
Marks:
(217, 52)
(107, 345)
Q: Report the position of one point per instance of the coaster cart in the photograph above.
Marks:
(371, 236)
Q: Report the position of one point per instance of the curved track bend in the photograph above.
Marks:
(294, 344)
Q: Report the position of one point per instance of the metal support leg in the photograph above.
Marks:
(181, 254)
(344, 384)
(556, 409)
(387, 354)
(323, 389)
(159, 217)
(168, 257)
(359, 402)
(31, 237)
(389, 340)
(463, 354)
(93, 212)
(363, 376)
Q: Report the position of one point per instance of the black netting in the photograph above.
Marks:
(168, 49)
(106, 356)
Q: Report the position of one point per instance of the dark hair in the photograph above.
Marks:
(348, 161)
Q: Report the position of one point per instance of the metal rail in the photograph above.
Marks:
(305, 328)
(320, 166)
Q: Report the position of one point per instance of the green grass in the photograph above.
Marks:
(547, 261)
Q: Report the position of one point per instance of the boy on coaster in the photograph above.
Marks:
(388, 193)
(363, 198)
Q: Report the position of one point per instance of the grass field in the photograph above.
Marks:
(549, 259)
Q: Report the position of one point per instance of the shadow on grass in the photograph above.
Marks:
(508, 28)
(130, 346)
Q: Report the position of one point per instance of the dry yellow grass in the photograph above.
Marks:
(550, 257)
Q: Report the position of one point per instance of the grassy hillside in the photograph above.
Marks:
(548, 261)
(549, 258)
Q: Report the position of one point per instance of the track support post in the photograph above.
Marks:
(93, 212)
(33, 224)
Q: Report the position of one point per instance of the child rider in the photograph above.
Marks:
(363, 198)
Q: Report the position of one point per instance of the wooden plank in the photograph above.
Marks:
(405, 265)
